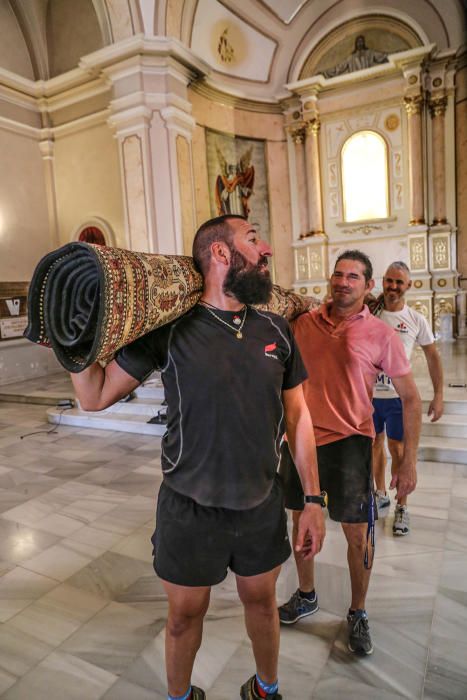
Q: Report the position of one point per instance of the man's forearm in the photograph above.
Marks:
(88, 386)
(435, 369)
(303, 448)
(412, 416)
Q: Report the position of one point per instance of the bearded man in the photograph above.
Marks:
(231, 373)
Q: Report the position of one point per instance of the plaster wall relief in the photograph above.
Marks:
(440, 252)
(229, 44)
(311, 266)
(444, 304)
(302, 266)
(418, 259)
(424, 306)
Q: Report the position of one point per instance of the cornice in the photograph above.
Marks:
(212, 92)
(156, 47)
(92, 66)
(30, 132)
(397, 64)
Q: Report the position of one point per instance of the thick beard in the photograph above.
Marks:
(247, 283)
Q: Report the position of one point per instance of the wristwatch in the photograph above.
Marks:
(321, 500)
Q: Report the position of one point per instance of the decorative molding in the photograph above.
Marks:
(129, 121)
(418, 253)
(30, 132)
(179, 121)
(413, 104)
(438, 106)
(214, 92)
(80, 124)
(369, 222)
(366, 229)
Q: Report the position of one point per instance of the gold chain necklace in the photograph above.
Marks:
(237, 331)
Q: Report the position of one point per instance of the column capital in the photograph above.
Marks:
(413, 104)
(312, 126)
(297, 134)
(437, 106)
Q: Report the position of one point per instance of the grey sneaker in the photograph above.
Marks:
(382, 500)
(401, 525)
(296, 608)
(359, 633)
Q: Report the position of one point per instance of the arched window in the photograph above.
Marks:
(364, 163)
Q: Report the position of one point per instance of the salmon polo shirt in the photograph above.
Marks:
(342, 363)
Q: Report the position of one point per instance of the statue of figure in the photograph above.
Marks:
(361, 57)
(235, 184)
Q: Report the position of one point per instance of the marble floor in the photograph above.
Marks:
(82, 613)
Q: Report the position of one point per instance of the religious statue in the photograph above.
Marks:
(361, 57)
(234, 185)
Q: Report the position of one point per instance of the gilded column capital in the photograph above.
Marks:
(438, 106)
(297, 134)
(313, 126)
(413, 104)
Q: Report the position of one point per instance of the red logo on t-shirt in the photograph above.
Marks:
(270, 348)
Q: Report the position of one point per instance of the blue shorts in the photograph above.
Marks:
(388, 412)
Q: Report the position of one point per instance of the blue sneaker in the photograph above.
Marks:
(296, 608)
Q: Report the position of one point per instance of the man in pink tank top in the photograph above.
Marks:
(344, 348)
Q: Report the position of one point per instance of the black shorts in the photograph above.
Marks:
(194, 545)
(345, 473)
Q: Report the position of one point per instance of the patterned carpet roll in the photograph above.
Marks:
(87, 301)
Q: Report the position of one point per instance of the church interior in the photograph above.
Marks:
(330, 124)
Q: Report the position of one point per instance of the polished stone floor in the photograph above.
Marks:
(82, 614)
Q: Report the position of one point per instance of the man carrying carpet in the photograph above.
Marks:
(231, 372)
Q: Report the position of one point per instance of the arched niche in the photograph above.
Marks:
(382, 33)
(91, 230)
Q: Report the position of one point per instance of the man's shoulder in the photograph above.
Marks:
(269, 316)
(415, 315)
(377, 325)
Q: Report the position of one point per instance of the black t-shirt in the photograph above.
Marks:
(224, 411)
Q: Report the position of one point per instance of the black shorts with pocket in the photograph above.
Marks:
(194, 545)
(345, 473)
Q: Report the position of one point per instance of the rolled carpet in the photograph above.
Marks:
(87, 301)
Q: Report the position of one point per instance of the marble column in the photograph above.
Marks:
(298, 137)
(437, 107)
(313, 177)
(413, 106)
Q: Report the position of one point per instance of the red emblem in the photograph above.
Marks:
(270, 348)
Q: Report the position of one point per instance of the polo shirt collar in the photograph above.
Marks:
(324, 311)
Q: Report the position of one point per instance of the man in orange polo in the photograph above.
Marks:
(344, 348)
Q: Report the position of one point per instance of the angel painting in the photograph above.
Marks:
(234, 185)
